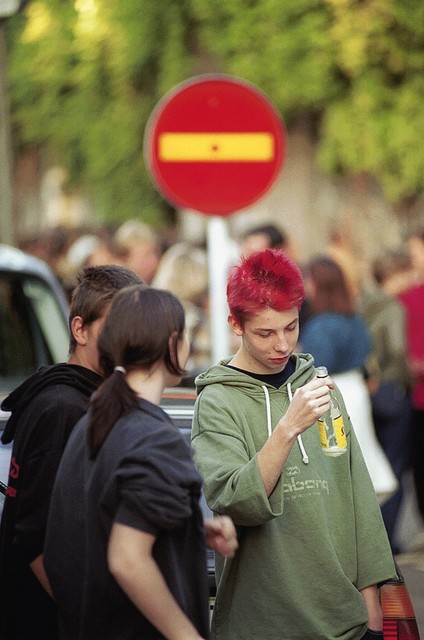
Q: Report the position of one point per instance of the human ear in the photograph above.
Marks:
(78, 330)
(235, 325)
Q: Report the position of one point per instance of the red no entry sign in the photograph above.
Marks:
(215, 144)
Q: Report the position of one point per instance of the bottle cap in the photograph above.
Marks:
(322, 372)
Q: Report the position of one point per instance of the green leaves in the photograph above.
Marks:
(374, 124)
(86, 75)
(84, 79)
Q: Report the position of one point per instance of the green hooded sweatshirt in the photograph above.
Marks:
(307, 550)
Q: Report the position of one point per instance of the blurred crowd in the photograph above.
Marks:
(370, 335)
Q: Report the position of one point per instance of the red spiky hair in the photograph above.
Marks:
(266, 279)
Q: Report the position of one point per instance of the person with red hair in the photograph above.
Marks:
(312, 542)
(266, 282)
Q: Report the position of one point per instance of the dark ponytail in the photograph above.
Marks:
(113, 399)
(143, 327)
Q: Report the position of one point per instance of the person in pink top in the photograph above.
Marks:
(412, 299)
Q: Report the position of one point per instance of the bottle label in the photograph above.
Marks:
(333, 437)
(340, 432)
(322, 433)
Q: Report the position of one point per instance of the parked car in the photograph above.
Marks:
(33, 326)
(179, 404)
(399, 622)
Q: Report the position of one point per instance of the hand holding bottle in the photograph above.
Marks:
(307, 404)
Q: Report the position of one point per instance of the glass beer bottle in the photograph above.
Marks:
(331, 424)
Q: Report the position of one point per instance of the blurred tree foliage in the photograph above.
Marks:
(85, 76)
(355, 68)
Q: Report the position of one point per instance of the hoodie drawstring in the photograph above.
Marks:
(305, 458)
(268, 411)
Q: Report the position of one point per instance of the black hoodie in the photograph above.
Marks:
(44, 410)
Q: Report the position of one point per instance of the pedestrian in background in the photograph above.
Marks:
(313, 546)
(341, 250)
(45, 408)
(390, 393)
(125, 548)
(183, 270)
(337, 336)
(139, 247)
(412, 298)
(263, 236)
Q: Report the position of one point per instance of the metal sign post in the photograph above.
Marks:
(217, 233)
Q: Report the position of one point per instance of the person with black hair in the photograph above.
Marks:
(263, 236)
(44, 409)
(125, 545)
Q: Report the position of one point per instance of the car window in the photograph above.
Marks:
(33, 329)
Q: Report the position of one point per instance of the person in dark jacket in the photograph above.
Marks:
(125, 546)
(44, 410)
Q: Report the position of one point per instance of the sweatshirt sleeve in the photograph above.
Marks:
(226, 454)
(158, 484)
(375, 560)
